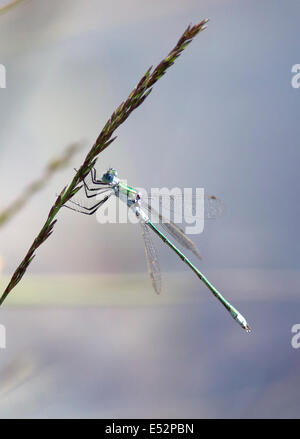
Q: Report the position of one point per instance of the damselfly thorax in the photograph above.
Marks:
(130, 196)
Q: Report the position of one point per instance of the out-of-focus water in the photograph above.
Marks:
(178, 355)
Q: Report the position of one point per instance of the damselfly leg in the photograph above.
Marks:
(82, 206)
(94, 177)
(87, 210)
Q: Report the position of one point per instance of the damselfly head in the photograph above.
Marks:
(109, 175)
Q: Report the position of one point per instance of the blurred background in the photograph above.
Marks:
(86, 336)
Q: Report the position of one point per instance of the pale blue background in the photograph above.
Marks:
(225, 118)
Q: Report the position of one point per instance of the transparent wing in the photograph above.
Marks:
(152, 259)
(175, 231)
(172, 206)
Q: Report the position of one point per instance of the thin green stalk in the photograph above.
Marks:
(134, 100)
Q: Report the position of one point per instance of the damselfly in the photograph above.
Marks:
(110, 185)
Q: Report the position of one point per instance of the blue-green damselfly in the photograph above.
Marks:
(110, 185)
